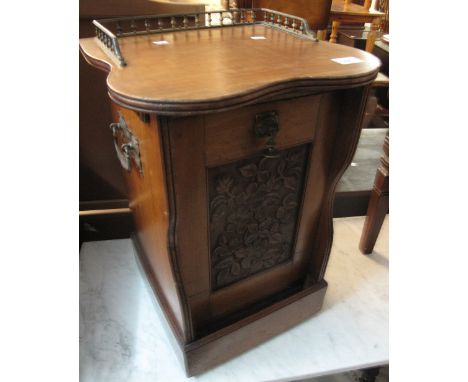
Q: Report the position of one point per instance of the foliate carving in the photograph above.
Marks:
(253, 210)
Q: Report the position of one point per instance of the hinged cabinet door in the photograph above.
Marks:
(247, 196)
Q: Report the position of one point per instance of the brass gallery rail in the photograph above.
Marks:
(108, 31)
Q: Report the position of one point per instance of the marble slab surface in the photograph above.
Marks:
(122, 338)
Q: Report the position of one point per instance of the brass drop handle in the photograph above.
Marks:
(128, 150)
(266, 125)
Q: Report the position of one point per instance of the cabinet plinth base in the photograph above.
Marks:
(232, 340)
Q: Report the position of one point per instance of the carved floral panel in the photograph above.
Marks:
(253, 211)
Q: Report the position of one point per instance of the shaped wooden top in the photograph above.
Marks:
(199, 71)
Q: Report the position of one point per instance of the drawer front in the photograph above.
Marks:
(230, 136)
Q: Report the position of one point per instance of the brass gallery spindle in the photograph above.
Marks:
(119, 28)
(160, 23)
(185, 22)
(173, 23)
(197, 20)
(147, 25)
(133, 26)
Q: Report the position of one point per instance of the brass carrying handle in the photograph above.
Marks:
(130, 149)
(266, 125)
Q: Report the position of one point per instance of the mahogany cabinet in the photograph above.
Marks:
(233, 131)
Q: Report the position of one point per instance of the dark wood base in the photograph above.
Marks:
(242, 335)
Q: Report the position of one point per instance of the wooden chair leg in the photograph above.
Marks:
(372, 36)
(378, 205)
(334, 31)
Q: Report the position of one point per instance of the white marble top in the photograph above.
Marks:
(122, 339)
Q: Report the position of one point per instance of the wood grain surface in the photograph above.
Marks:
(211, 70)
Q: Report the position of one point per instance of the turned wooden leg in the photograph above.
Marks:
(371, 37)
(334, 31)
(378, 205)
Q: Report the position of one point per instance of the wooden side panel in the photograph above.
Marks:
(339, 147)
(149, 204)
(327, 123)
(187, 142)
(186, 139)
